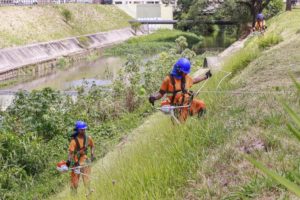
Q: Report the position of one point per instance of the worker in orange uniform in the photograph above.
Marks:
(260, 24)
(177, 84)
(78, 157)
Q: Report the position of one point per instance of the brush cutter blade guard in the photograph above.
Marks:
(77, 170)
(62, 166)
(167, 109)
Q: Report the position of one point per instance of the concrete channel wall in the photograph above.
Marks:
(41, 58)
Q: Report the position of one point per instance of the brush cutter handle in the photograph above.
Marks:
(152, 99)
(208, 74)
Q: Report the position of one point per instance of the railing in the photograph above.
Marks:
(163, 21)
(45, 2)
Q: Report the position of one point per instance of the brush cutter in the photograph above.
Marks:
(169, 109)
(62, 167)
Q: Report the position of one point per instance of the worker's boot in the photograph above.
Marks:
(201, 112)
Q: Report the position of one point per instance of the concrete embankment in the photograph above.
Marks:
(215, 62)
(41, 58)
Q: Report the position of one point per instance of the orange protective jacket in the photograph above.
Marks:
(178, 88)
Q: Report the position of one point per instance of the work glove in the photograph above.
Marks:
(152, 99)
(208, 74)
(68, 163)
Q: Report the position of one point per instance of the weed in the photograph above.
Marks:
(83, 41)
(135, 26)
(67, 15)
(152, 44)
(269, 40)
(62, 63)
(42, 24)
(92, 57)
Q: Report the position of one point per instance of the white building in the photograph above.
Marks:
(171, 2)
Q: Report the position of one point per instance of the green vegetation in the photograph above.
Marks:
(242, 12)
(34, 136)
(204, 158)
(45, 119)
(253, 50)
(135, 26)
(67, 15)
(295, 131)
(269, 40)
(152, 44)
(23, 25)
(93, 56)
(83, 41)
(63, 63)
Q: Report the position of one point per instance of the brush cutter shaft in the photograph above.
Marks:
(170, 109)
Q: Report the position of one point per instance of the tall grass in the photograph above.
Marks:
(152, 44)
(160, 158)
(158, 161)
(294, 129)
(24, 25)
(254, 48)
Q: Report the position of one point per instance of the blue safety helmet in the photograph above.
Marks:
(182, 65)
(80, 125)
(260, 16)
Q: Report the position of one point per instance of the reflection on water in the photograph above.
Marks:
(87, 83)
(100, 72)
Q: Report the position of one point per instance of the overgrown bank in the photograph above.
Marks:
(159, 41)
(203, 159)
(35, 128)
(25, 24)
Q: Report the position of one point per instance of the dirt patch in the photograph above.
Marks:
(225, 169)
(251, 142)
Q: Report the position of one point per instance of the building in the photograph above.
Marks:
(171, 2)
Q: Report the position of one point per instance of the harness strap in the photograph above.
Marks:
(78, 148)
(174, 88)
(182, 89)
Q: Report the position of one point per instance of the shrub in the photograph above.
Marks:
(67, 15)
(62, 63)
(269, 40)
(83, 41)
(135, 26)
(273, 8)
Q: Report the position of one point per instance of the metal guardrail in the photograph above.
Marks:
(45, 2)
(161, 21)
(14, 92)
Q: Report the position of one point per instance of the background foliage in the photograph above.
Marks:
(35, 128)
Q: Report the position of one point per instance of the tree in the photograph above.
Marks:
(288, 5)
(255, 7)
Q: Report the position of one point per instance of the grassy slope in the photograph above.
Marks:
(203, 159)
(23, 25)
(260, 126)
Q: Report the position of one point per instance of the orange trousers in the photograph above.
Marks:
(85, 173)
(260, 25)
(196, 107)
